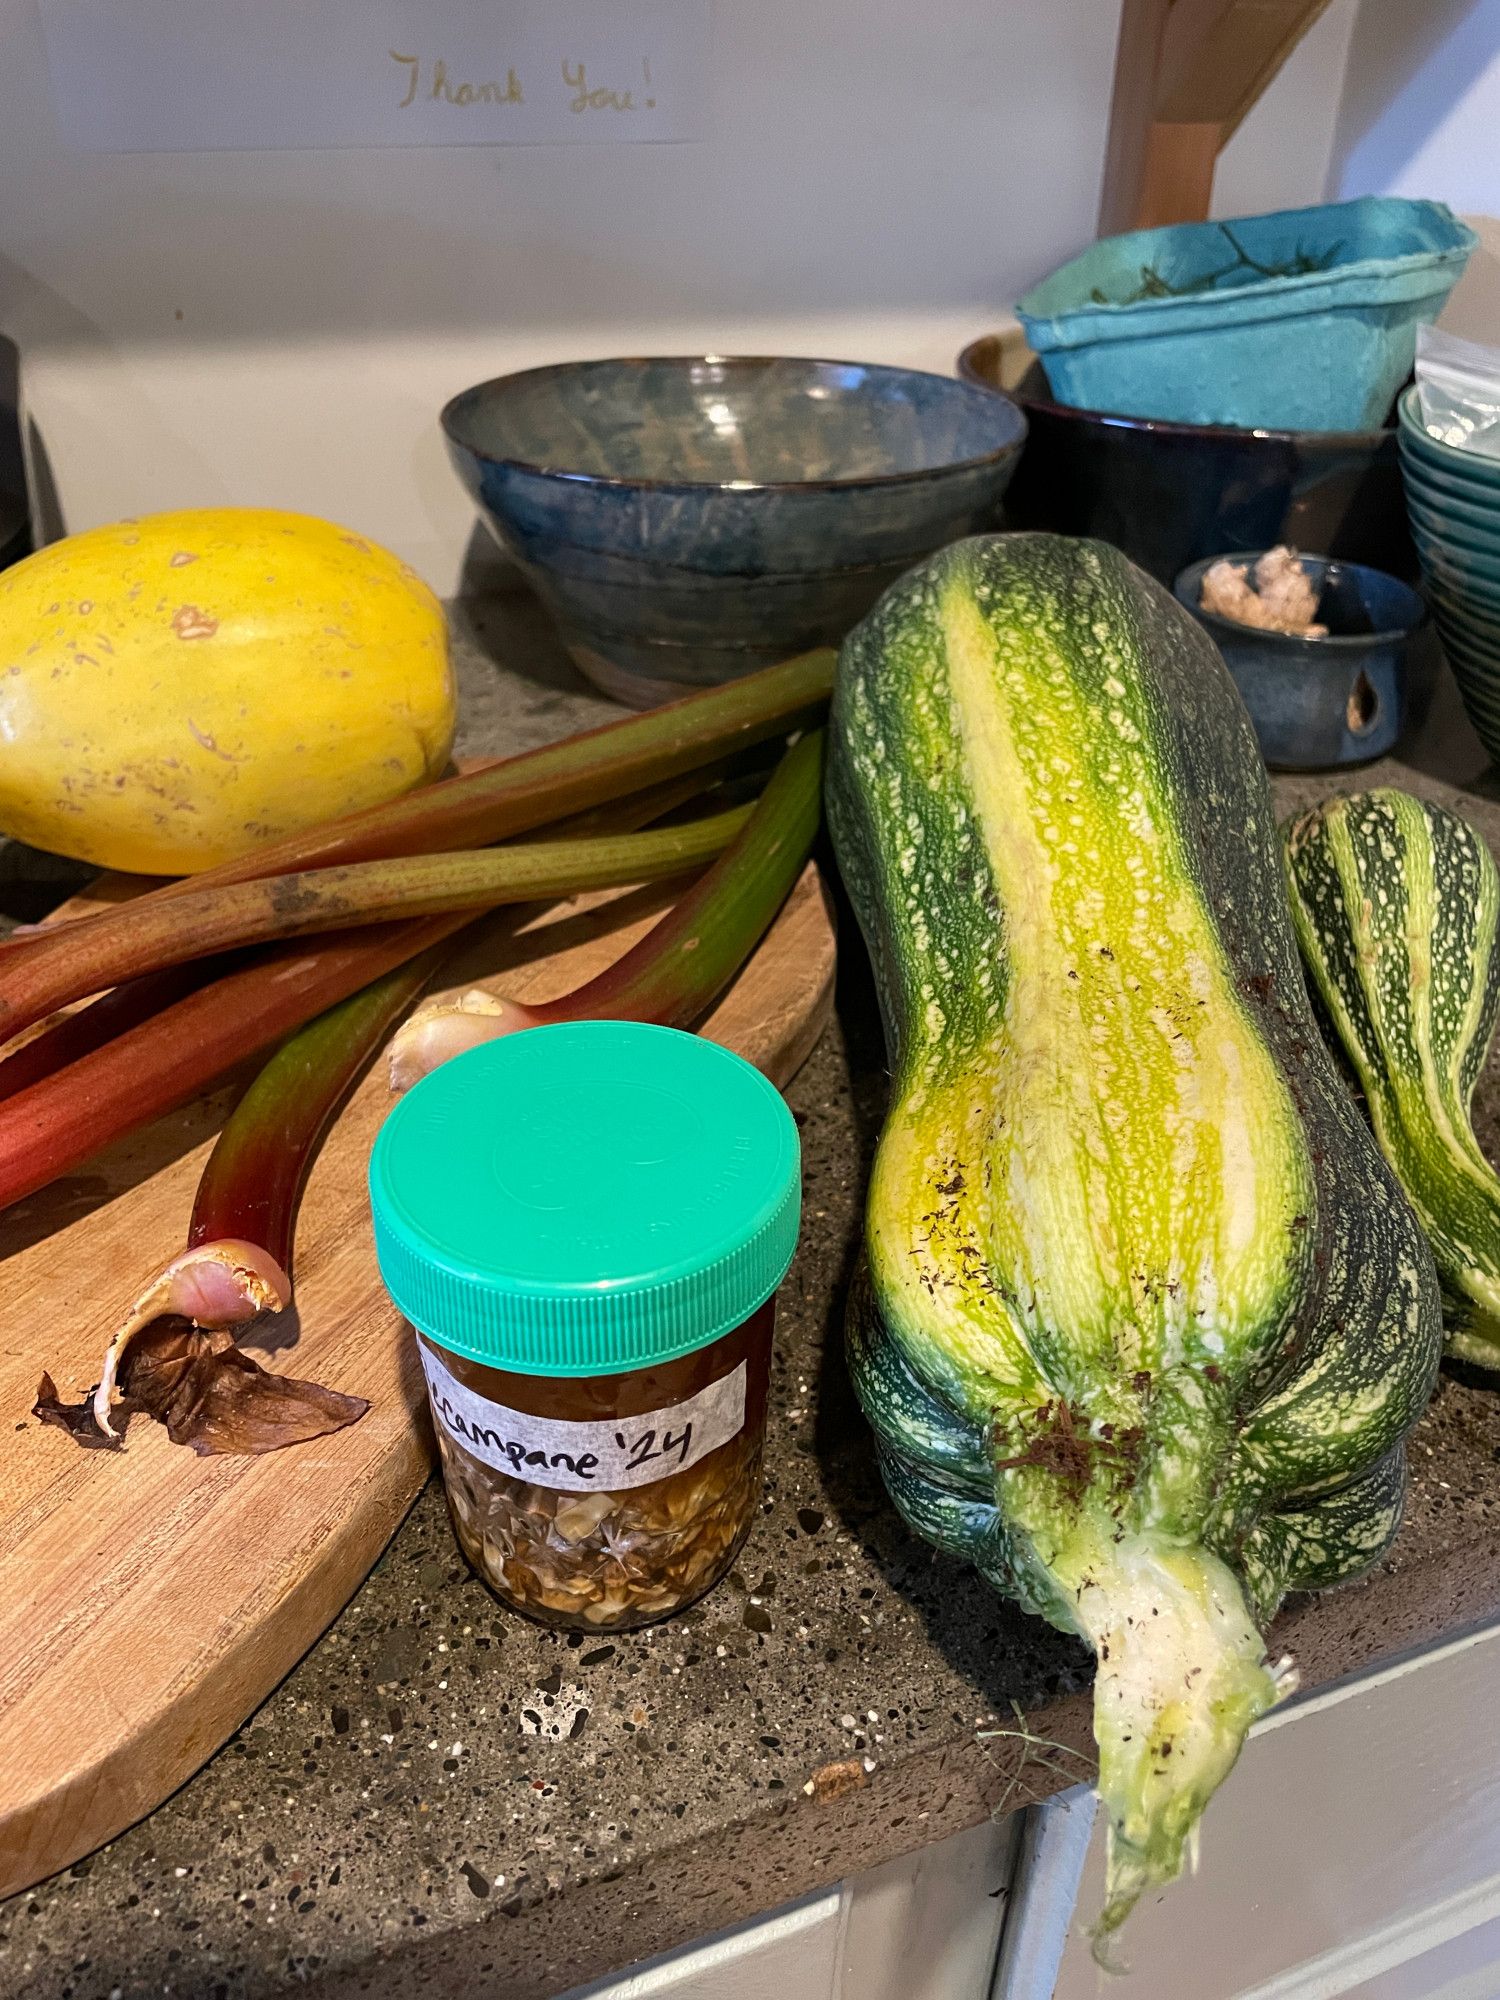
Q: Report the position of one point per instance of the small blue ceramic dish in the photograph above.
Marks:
(1317, 703)
(688, 520)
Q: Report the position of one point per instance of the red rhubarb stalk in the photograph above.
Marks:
(79, 1033)
(70, 1113)
(64, 1119)
(73, 960)
(682, 965)
(110, 1015)
(238, 1261)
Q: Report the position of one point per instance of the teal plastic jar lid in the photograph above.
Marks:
(586, 1198)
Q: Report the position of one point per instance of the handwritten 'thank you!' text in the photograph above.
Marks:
(433, 80)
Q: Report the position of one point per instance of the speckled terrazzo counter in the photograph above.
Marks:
(443, 1799)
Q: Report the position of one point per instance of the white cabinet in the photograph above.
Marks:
(1354, 1854)
(793, 1954)
(927, 1926)
(924, 1927)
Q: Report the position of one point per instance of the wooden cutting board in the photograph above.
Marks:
(150, 1599)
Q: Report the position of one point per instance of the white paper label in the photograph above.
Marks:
(257, 75)
(583, 1458)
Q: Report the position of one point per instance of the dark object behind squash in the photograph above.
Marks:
(1169, 494)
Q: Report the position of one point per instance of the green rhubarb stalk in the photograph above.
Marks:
(251, 1187)
(237, 1263)
(74, 960)
(674, 974)
(68, 1112)
(537, 787)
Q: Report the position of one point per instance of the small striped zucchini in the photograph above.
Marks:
(1395, 903)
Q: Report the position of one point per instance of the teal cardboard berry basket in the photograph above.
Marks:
(1302, 320)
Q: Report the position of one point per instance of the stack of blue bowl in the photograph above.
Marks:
(1453, 506)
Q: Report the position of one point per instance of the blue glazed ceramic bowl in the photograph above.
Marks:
(1317, 703)
(1463, 472)
(1445, 504)
(688, 520)
(1473, 664)
(1453, 502)
(1446, 493)
(1476, 668)
(1442, 524)
(1470, 622)
(1460, 573)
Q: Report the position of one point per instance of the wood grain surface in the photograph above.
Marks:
(150, 1599)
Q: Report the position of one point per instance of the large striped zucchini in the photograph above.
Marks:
(1395, 903)
(1145, 1317)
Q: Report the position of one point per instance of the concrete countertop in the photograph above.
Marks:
(443, 1798)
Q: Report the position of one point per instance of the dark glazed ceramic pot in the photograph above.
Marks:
(689, 520)
(1168, 494)
(1318, 703)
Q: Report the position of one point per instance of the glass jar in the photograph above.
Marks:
(586, 1225)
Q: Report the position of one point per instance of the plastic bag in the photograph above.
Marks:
(1458, 387)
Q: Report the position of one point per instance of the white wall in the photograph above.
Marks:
(1379, 97)
(881, 181)
(282, 328)
(1420, 113)
(1282, 154)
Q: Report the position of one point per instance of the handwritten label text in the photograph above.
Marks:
(609, 1455)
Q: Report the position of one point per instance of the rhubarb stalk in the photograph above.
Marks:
(682, 965)
(518, 794)
(76, 1034)
(239, 1253)
(73, 960)
(538, 786)
(58, 1122)
(69, 1113)
(237, 1265)
(79, 1033)
(239, 1257)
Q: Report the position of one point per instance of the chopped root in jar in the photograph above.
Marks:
(604, 1560)
(578, 1517)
